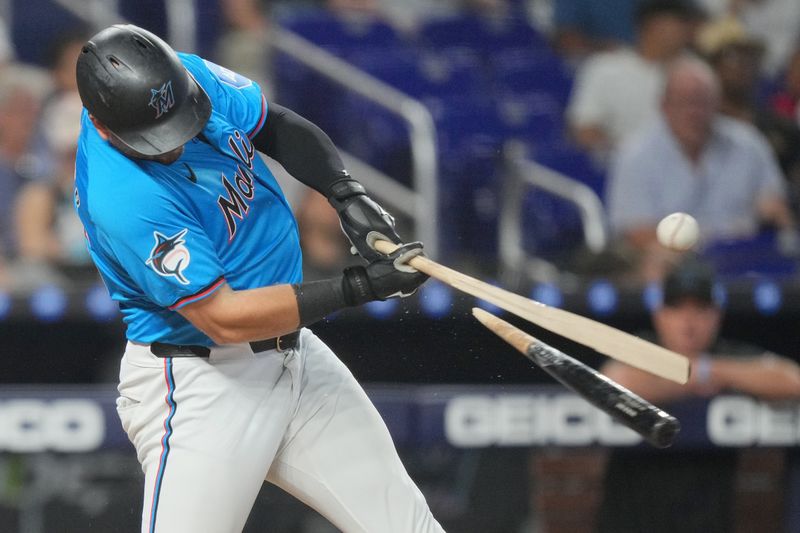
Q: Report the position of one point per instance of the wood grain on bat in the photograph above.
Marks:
(605, 339)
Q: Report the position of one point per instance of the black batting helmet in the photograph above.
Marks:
(135, 85)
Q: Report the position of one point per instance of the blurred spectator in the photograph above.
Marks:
(776, 23)
(736, 58)
(616, 92)
(244, 43)
(369, 7)
(785, 100)
(488, 8)
(62, 58)
(721, 171)
(688, 323)
(6, 56)
(21, 92)
(48, 230)
(583, 27)
(6, 47)
(45, 231)
(323, 243)
(695, 489)
(408, 15)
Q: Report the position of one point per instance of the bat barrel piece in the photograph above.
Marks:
(655, 425)
(664, 432)
(600, 337)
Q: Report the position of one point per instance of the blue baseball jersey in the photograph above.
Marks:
(163, 236)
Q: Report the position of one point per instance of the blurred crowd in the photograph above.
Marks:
(695, 113)
(686, 105)
(41, 239)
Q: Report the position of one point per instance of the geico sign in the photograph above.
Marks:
(59, 425)
(742, 421)
(523, 419)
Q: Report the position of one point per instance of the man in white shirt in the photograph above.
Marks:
(616, 92)
(692, 159)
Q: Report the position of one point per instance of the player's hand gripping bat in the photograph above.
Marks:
(605, 339)
(656, 426)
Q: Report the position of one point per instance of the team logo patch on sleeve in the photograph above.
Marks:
(169, 256)
(162, 99)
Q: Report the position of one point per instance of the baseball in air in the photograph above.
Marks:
(678, 231)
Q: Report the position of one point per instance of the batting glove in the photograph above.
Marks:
(388, 276)
(361, 218)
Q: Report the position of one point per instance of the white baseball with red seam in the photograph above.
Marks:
(678, 231)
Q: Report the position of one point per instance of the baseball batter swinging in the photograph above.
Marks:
(221, 386)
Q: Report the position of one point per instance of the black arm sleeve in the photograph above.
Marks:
(304, 150)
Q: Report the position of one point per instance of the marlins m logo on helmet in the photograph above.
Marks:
(162, 99)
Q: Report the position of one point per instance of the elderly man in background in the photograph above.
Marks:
(720, 170)
(616, 92)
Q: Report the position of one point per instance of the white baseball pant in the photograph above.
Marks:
(209, 431)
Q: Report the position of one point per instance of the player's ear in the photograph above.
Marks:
(104, 132)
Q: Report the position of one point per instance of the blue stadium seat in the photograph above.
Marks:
(469, 187)
(756, 255)
(524, 71)
(339, 34)
(423, 74)
(397, 66)
(210, 24)
(465, 121)
(34, 26)
(368, 43)
(454, 71)
(33, 19)
(458, 31)
(374, 134)
(482, 83)
(552, 225)
(565, 157)
(470, 137)
(483, 34)
(536, 117)
(310, 94)
(511, 32)
(148, 14)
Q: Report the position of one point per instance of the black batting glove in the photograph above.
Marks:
(387, 277)
(362, 219)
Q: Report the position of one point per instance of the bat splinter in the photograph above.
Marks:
(654, 425)
(605, 339)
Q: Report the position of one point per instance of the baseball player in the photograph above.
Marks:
(221, 386)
